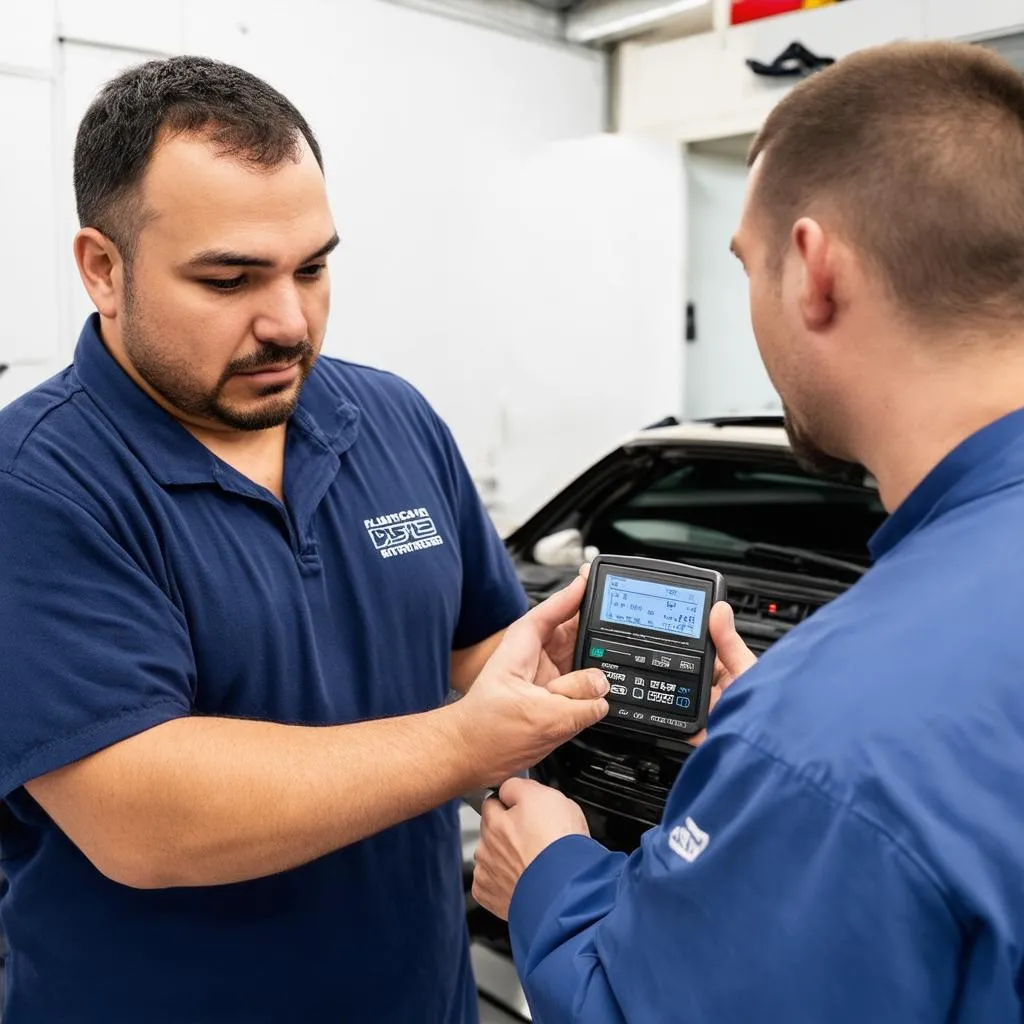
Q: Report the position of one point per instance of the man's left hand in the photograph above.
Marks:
(526, 819)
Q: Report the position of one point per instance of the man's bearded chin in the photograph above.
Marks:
(812, 457)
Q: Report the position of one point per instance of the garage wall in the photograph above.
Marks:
(427, 124)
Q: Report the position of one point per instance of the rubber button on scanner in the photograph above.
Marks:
(613, 673)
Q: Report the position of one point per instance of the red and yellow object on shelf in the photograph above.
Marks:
(751, 10)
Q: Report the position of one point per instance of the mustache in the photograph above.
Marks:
(270, 356)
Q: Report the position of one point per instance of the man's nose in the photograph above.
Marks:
(281, 319)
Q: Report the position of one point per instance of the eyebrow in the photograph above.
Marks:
(226, 258)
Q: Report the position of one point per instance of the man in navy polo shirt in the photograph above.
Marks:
(847, 845)
(237, 581)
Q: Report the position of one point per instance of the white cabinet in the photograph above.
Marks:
(699, 87)
(834, 31)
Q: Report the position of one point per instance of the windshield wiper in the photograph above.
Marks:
(801, 556)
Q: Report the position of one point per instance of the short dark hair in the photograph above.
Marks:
(916, 152)
(242, 114)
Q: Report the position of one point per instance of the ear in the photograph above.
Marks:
(817, 270)
(101, 269)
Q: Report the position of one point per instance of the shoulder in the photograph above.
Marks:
(62, 455)
(879, 698)
(33, 419)
(53, 442)
(928, 634)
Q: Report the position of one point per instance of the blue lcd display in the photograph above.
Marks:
(662, 607)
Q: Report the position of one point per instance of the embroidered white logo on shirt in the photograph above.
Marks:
(689, 841)
(401, 533)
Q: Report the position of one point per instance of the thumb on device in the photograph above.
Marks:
(583, 684)
(734, 656)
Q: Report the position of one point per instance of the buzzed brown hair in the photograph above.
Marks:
(914, 152)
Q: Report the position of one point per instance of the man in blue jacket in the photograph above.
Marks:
(847, 844)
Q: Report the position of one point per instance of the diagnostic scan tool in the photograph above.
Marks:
(644, 623)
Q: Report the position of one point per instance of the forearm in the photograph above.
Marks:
(205, 801)
(556, 908)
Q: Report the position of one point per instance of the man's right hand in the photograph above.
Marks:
(508, 722)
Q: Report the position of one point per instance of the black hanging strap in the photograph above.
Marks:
(794, 60)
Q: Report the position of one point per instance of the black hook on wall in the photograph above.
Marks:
(794, 60)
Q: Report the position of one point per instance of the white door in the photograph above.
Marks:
(724, 375)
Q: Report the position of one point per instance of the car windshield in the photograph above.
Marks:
(725, 505)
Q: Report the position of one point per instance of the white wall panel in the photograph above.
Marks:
(28, 234)
(153, 26)
(27, 35)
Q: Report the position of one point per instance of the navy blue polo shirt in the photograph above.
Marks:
(848, 844)
(142, 580)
